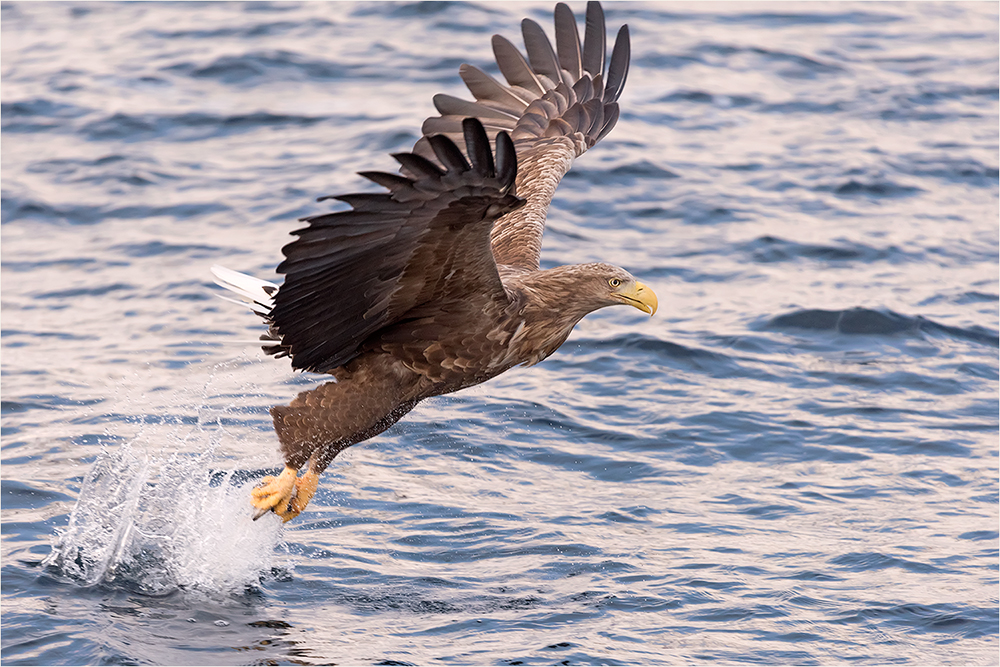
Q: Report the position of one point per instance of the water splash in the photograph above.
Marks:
(159, 524)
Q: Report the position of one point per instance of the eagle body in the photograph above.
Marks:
(434, 285)
(458, 346)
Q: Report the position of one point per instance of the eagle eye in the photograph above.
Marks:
(614, 282)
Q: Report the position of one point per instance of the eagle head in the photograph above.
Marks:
(611, 285)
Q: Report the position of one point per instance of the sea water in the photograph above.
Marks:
(793, 462)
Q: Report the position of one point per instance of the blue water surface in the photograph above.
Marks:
(793, 462)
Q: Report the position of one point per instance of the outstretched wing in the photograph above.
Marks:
(557, 104)
(351, 273)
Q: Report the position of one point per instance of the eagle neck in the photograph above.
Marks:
(556, 293)
(552, 305)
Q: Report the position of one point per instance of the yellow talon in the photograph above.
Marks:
(285, 495)
(305, 488)
(273, 493)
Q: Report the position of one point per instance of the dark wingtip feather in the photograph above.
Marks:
(447, 152)
(594, 45)
(506, 164)
(618, 70)
(370, 201)
(390, 181)
(477, 145)
(417, 165)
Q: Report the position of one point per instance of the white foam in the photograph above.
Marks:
(159, 524)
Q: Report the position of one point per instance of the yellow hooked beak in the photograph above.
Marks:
(640, 296)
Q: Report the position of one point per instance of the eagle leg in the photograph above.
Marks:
(305, 488)
(322, 422)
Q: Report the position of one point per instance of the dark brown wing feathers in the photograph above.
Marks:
(478, 145)
(352, 273)
(506, 164)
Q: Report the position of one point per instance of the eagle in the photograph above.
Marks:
(434, 284)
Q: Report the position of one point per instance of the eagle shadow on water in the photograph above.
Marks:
(435, 285)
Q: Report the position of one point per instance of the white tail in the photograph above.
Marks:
(256, 293)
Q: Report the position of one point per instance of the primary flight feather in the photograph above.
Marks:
(435, 285)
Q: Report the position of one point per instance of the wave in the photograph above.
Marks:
(791, 65)
(953, 619)
(252, 31)
(39, 107)
(661, 348)
(874, 187)
(867, 322)
(773, 19)
(38, 115)
(945, 167)
(252, 67)
(691, 211)
(192, 126)
(41, 115)
(622, 174)
(702, 97)
(770, 249)
(19, 208)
